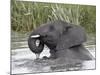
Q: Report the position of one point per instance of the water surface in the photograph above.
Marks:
(23, 60)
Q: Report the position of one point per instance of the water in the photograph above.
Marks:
(23, 60)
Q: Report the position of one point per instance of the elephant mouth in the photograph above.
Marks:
(37, 42)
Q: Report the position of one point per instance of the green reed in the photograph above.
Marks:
(26, 16)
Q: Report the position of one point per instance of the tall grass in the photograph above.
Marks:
(26, 16)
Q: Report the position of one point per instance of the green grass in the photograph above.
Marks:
(26, 16)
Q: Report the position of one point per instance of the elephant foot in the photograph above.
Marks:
(45, 57)
(53, 57)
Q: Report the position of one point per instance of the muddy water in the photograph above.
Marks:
(23, 60)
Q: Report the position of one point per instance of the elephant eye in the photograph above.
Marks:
(37, 42)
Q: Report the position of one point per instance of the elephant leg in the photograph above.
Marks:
(81, 52)
(53, 54)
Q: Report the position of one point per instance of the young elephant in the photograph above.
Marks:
(57, 35)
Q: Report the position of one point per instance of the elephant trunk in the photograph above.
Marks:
(35, 47)
(37, 56)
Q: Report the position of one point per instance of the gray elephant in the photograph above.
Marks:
(58, 36)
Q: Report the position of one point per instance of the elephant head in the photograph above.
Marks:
(57, 35)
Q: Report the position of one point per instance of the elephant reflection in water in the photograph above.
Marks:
(64, 40)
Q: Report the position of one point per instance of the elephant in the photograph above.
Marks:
(58, 36)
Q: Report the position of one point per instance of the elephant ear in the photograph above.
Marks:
(72, 36)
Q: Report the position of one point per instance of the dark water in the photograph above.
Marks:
(23, 60)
